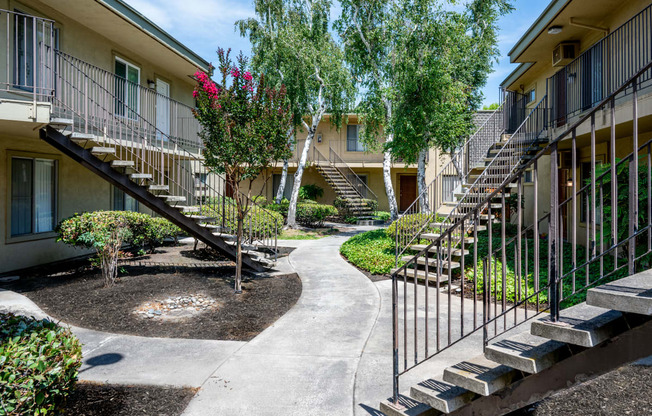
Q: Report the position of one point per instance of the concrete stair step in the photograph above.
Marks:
(455, 238)
(481, 376)
(470, 204)
(158, 188)
(123, 164)
(527, 352)
(408, 407)
(440, 395)
(583, 325)
(445, 264)
(61, 123)
(172, 198)
(201, 218)
(421, 276)
(208, 226)
(456, 252)
(632, 294)
(102, 151)
(141, 176)
(185, 209)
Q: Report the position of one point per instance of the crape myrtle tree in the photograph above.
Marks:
(292, 46)
(422, 64)
(244, 128)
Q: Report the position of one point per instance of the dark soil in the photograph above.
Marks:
(90, 399)
(625, 391)
(79, 298)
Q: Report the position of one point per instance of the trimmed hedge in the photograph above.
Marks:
(264, 222)
(313, 215)
(39, 363)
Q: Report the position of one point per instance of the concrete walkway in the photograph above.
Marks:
(306, 362)
(125, 359)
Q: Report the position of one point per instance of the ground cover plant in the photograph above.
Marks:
(312, 234)
(39, 361)
(372, 251)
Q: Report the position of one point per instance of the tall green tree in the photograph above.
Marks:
(422, 64)
(244, 128)
(292, 45)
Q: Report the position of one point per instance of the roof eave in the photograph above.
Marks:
(139, 20)
(537, 27)
(516, 74)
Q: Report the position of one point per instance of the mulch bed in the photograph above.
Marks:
(625, 391)
(78, 298)
(91, 399)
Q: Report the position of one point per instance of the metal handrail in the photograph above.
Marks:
(92, 106)
(460, 165)
(488, 316)
(354, 180)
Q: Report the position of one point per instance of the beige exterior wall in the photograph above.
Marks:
(84, 43)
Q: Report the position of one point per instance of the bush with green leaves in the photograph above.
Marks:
(314, 215)
(371, 203)
(107, 231)
(412, 223)
(373, 251)
(259, 222)
(39, 363)
(310, 192)
(103, 231)
(382, 216)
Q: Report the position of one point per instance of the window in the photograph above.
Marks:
(531, 95)
(123, 202)
(28, 69)
(289, 183)
(33, 195)
(353, 143)
(126, 89)
(449, 184)
(529, 178)
(363, 189)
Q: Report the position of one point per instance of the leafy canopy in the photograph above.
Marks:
(244, 122)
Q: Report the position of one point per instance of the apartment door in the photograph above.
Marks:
(162, 109)
(127, 100)
(560, 97)
(408, 191)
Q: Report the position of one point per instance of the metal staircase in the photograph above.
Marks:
(103, 122)
(512, 278)
(347, 185)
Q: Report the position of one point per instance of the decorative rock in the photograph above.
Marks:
(176, 307)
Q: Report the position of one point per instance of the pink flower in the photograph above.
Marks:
(247, 76)
(235, 72)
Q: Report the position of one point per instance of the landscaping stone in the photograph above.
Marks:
(176, 307)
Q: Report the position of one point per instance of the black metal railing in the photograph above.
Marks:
(535, 254)
(601, 69)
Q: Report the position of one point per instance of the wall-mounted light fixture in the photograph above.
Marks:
(151, 84)
(571, 77)
(555, 30)
(319, 138)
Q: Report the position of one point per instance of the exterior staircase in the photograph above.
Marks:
(348, 186)
(154, 167)
(613, 316)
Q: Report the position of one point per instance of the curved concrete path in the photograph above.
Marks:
(306, 362)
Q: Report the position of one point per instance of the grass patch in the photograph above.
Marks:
(372, 251)
(315, 234)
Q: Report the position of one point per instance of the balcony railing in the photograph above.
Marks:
(29, 53)
(601, 69)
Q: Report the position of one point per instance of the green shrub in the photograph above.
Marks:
(39, 361)
(411, 223)
(259, 200)
(103, 231)
(371, 203)
(383, 216)
(373, 251)
(342, 207)
(313, 215)
(310, 192)
(107, 231)
(258, 223)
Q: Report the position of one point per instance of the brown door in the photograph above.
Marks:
(408, 191)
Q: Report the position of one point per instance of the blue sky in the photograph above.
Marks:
(203, 25)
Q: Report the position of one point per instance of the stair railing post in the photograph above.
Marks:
(395, 378)
(553, 237)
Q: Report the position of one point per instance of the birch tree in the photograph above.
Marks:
(422, 64)
(292, 45)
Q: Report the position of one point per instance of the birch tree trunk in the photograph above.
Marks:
(387, 170)
(281, 186)
(424, 204)
(292, 209)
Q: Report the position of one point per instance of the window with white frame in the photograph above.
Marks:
(33, 195)
(449, 184)
(127, 100)
(353, 143)
(27, 67)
